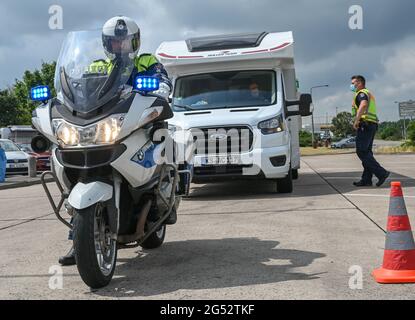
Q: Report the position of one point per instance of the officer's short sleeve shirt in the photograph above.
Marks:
(361, 97)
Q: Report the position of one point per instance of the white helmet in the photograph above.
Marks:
(121, 35)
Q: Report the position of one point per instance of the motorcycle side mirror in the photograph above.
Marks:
(40, 144)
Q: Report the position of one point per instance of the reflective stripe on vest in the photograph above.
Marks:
(142, 63)
(371, 113)
(101, 67)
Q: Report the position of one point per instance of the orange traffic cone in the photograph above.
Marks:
(399, 258)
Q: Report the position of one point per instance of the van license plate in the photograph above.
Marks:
(221, 160)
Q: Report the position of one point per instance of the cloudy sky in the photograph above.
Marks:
(327, 50)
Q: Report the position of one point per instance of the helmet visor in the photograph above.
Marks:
(121, 44)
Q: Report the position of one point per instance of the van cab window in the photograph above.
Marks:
(218, 90)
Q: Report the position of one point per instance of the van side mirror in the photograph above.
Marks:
(304, 106)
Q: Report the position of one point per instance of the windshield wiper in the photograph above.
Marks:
(190, 108)
(186, 107)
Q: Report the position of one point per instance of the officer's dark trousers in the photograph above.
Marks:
(364, 145)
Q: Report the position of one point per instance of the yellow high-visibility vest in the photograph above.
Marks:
(371, 113)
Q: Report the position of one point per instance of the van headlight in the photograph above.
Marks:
(104, 132)
(274, 125)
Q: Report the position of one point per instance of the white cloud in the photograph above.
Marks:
(394, 79)
(397, 81)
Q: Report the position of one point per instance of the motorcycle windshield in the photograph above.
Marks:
(86, 76)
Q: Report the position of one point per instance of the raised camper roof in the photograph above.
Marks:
(236, 41)
(226, 48)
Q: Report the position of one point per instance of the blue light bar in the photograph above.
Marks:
(40, 93)
(146, 84)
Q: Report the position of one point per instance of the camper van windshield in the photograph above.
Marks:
(218, 90)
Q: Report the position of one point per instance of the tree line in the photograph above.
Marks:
(388, 130)
(342, 127)
(15, 105)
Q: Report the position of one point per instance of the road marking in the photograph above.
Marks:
(190, 213)
(40, 219)
(28, 197)
(26, 221)
(390, 179)
(345, 197)
(334, 169)
(371, 195)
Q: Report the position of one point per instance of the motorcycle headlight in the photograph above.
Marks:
(67, 134)
(108, 130)
(274, 125)
(103, 132)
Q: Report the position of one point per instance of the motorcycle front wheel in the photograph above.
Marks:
(95, 250)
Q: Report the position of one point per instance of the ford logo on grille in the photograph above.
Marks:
(218, 136)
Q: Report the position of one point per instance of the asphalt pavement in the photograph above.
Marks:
(233, 240)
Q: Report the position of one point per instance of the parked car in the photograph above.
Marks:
(17, 160)
(326, 135)
(345, 143)
(42, 159)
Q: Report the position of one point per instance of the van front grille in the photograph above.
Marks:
(222, 140)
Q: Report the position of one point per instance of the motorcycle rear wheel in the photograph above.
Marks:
(95, 251)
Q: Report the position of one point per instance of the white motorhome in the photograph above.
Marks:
(241, 86)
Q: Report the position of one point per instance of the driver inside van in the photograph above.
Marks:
(254, 90)
(258, 95)
(255, 93)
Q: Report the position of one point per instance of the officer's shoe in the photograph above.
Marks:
(383, 179)
(363, 184)
(172, 218)
(69, 259)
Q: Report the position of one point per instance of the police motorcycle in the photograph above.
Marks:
(113, 158)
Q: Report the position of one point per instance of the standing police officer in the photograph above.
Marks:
(366, 123)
